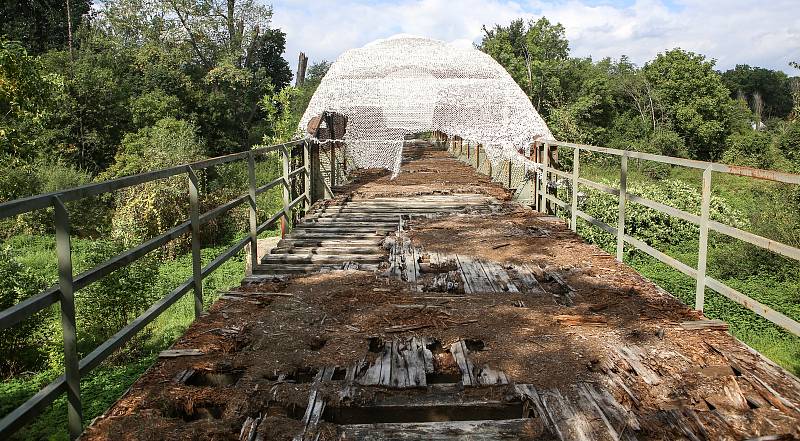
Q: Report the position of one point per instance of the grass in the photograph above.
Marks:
(103, 386)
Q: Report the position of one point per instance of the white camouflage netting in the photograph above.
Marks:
(404, 85)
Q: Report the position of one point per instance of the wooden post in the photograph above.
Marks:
(251, 175)
(478, 158)
(67, 303)
(194, 216)
(702, 252)
(623, 189)
(576, 156)
(509, 175)
(301, 70)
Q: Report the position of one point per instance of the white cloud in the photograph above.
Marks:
(731, 31)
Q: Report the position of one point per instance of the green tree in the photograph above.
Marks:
(533, 53)
(41, 25)
(26, 103)
(695, 100)
(768, 92)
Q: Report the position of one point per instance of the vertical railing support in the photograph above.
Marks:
(478, 158)
(333, 165)
(537, 178)
(307, 182)
(576, 171)
(544, 178)
(702, 253)
(67, 302)
(509, 174)
(286, 186)
(251, 175)
(197, 264)
(623, 190)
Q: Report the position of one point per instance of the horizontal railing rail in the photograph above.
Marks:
(545, 198)
(702, 280)
(63, 292)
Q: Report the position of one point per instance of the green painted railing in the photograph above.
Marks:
(64, 292)
(545, 200)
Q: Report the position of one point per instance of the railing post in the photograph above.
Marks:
(537, 178)
(251, 174)
(702, 253)
(307, 182)
(478, 158)
(333, 164)
(67, 302)
(623, 189)
(286, 196)
(509, 174)
(194, 218)
(576, 156)
(544, 178)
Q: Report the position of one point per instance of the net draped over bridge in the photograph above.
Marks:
(404, 85)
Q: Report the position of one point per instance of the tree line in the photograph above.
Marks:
(676, 104)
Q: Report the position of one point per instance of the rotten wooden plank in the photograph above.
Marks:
(172, 353)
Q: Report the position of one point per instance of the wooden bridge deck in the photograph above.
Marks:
(431, 307)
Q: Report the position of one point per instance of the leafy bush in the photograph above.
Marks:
(654, 228)
(752, 148)
(20, 345)
(88, 216)
(662, 142)
(150, 107)
(107, 305)
(789, 143)
(147, 210)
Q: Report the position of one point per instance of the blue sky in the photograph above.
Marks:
(761, 33)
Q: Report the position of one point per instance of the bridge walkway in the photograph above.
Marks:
(433, 307)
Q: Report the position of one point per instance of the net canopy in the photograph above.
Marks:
(403, 85)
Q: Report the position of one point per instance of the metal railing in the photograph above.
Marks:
(543, 197)
(68, 283)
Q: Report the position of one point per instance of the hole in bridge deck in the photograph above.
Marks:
(442, 378)
(198, 412)
(316, 343)
(300, 375)
(426, 413)
(474, 345)
(214, 379)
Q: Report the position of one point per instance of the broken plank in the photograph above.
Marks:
(172, 353)
(704, 324)
(403, 328)
(513, 429)
(460, 355)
